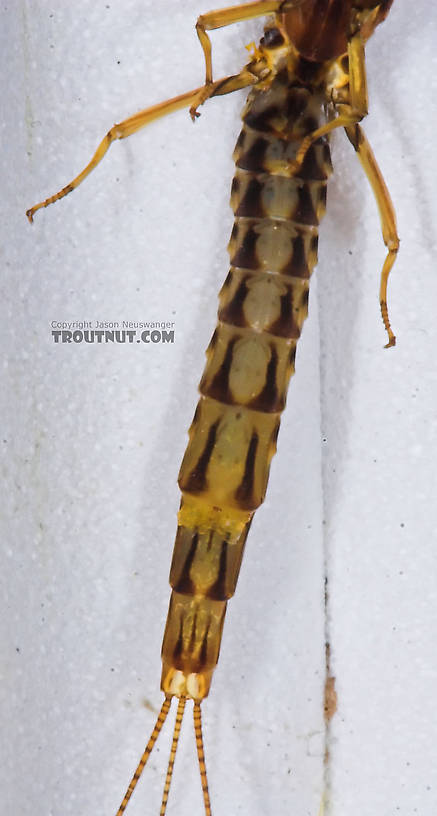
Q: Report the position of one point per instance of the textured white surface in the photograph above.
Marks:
(94, 436)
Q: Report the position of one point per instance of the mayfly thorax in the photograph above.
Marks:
(306, 78)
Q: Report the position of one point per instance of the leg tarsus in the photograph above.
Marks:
(386, 269)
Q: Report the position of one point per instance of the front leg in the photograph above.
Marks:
(235, 14)
(122, 130)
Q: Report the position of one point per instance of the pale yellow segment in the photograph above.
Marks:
(262, 304)
(247, 377)
(205, 569)
(279, 196)
(226, 465)
(198, 514)
(274, 246)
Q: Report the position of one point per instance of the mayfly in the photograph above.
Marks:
(306, 78)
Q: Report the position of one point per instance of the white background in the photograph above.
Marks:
(93, 436)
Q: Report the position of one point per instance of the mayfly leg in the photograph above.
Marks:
(134, 123)
(191, 99)
(349, 118)
(387, 215)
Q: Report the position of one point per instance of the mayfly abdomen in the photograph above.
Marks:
(250, 359)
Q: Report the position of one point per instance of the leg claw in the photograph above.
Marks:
(194, 113)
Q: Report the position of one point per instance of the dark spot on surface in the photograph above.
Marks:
(245, 255)
(219, 386)
(250, 204)
(268, 400)
(253, 158)
(196, 480)
(233, 312)
(244, 493)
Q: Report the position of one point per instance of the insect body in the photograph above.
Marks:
(309, 63)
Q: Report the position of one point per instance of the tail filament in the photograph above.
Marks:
(162, 716)
(197, 715)
(174, 745)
